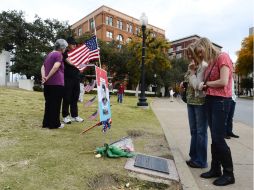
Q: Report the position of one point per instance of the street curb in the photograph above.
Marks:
(186, 178)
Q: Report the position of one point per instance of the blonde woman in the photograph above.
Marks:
(196, 112)
(218, 95)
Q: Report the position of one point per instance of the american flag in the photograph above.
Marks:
(90, 86)
(94, 115)
(81, 55)
(90, 102)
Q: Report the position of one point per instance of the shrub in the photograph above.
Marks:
(38, 87)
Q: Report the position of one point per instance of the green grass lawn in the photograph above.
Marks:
(35, 158)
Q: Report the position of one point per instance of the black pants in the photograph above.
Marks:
(217, 108)
(229, 118)
(70, 99)
(53, 95)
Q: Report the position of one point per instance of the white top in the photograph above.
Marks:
(233, 91)
(195, 80)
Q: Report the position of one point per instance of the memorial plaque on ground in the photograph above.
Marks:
(151, 163)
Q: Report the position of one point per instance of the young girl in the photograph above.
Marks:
(196, 112)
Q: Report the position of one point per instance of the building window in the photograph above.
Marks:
(129, 28)
(128, 40)
(178, 55)
(109, 34)
(119, 24)
(109, 20)
(154, 35)
(170, 50)
(79, 31)
(91, 24)
(119, 38)
(178, 48)
(171, 57)
(137, 30)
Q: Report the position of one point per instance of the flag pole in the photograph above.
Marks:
(95, 33)
(89, 128)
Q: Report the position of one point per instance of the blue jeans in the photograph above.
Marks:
(120, 98)
(217, 110)
(198, 129)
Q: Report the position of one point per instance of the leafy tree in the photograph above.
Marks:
(173, 76)
(12, 33)
(115, 56)
(245, 57)
(247, 83)
(156, 61)
(29, 42)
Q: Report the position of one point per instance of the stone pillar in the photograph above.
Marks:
(4, 76)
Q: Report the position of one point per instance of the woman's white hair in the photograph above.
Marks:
(60, 44)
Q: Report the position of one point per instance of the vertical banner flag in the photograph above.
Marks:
(81, 55)
(103, 94)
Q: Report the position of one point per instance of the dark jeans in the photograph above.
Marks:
(71, 96)
(216, 114)
(119, 98)
(229, 118)
(53, 95)
(198, 129)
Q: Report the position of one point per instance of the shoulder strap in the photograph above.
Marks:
(207, 77)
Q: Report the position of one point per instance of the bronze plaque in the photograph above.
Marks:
(151, 163)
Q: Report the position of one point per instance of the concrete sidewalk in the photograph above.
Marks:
(173, 119)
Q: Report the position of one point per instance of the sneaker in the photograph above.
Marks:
(61, 126)
(67, 120)
(77, 119)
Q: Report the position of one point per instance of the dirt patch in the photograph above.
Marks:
(108, 181)
(135, 133)
(4, 142)
(157, 145)
(21, 164)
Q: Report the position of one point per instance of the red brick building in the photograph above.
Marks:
(178, 47)
(112, 25)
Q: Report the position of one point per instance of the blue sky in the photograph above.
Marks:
(225, 22)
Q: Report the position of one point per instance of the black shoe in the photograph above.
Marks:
(224, 180)
(192, 164)
(227, 137)
(233, 135)
(210, 174)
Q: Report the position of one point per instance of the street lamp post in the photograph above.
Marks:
(155, 84)
(238, 85)
(142, 98)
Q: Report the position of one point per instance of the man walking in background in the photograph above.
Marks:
(120, 93)
(230, 116)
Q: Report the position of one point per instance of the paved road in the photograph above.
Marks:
(173, 119)
(244, 111)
